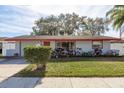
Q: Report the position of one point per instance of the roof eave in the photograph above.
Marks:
(22, 39)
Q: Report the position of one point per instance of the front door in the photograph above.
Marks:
(46, 43)
(65, 45)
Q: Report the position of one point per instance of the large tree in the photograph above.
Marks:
(95, 26)
(69, 24)
(64, 24)
(116, 15)
(46, 26)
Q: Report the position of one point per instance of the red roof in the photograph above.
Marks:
(2, 38)
(117, 41)
(62, 38)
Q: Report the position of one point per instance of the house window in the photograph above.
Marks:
(97, 44)
(58, 44)
(10, 45)
(46, 43)
(0, 45)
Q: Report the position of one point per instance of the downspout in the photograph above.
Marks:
(20, 48)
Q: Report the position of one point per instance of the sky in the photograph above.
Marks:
(19, 20)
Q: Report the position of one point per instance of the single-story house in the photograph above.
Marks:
(118, 44)
(15, 45)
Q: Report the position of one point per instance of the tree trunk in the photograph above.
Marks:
(120, 33)
(98, 33)
(41, 67)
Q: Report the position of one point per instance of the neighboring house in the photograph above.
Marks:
(15, 45)
(118, 45)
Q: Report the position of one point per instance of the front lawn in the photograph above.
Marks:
(77, 69)
(1, 56)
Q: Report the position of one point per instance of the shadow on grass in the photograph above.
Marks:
(97, 59)
(24, 73)
(28, 72)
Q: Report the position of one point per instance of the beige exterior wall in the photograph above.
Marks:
(52, 44)
(28, 43)
(85, 45)
(106, 46)
(118, 46)
(10, 48)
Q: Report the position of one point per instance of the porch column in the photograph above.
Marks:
(70, 45)
(20, 48)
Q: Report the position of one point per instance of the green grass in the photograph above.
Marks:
(77, 69)
(1, 56)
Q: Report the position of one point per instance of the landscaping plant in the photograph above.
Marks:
(38, 55)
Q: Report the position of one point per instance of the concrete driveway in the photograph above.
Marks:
(13, 61)
(8, 67)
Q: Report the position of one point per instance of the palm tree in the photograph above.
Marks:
(116, 15)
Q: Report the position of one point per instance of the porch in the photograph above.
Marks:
(83, 48)
(70, 44)
(61, 48)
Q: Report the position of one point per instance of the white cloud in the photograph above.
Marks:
(13, 29)
(53, 9)
(91, 11)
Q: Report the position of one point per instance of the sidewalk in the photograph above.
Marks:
(81, 83)
(18, 82)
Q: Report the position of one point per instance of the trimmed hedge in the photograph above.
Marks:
(37, 54)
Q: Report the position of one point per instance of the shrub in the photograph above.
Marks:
(87, 54)
(38, 55)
